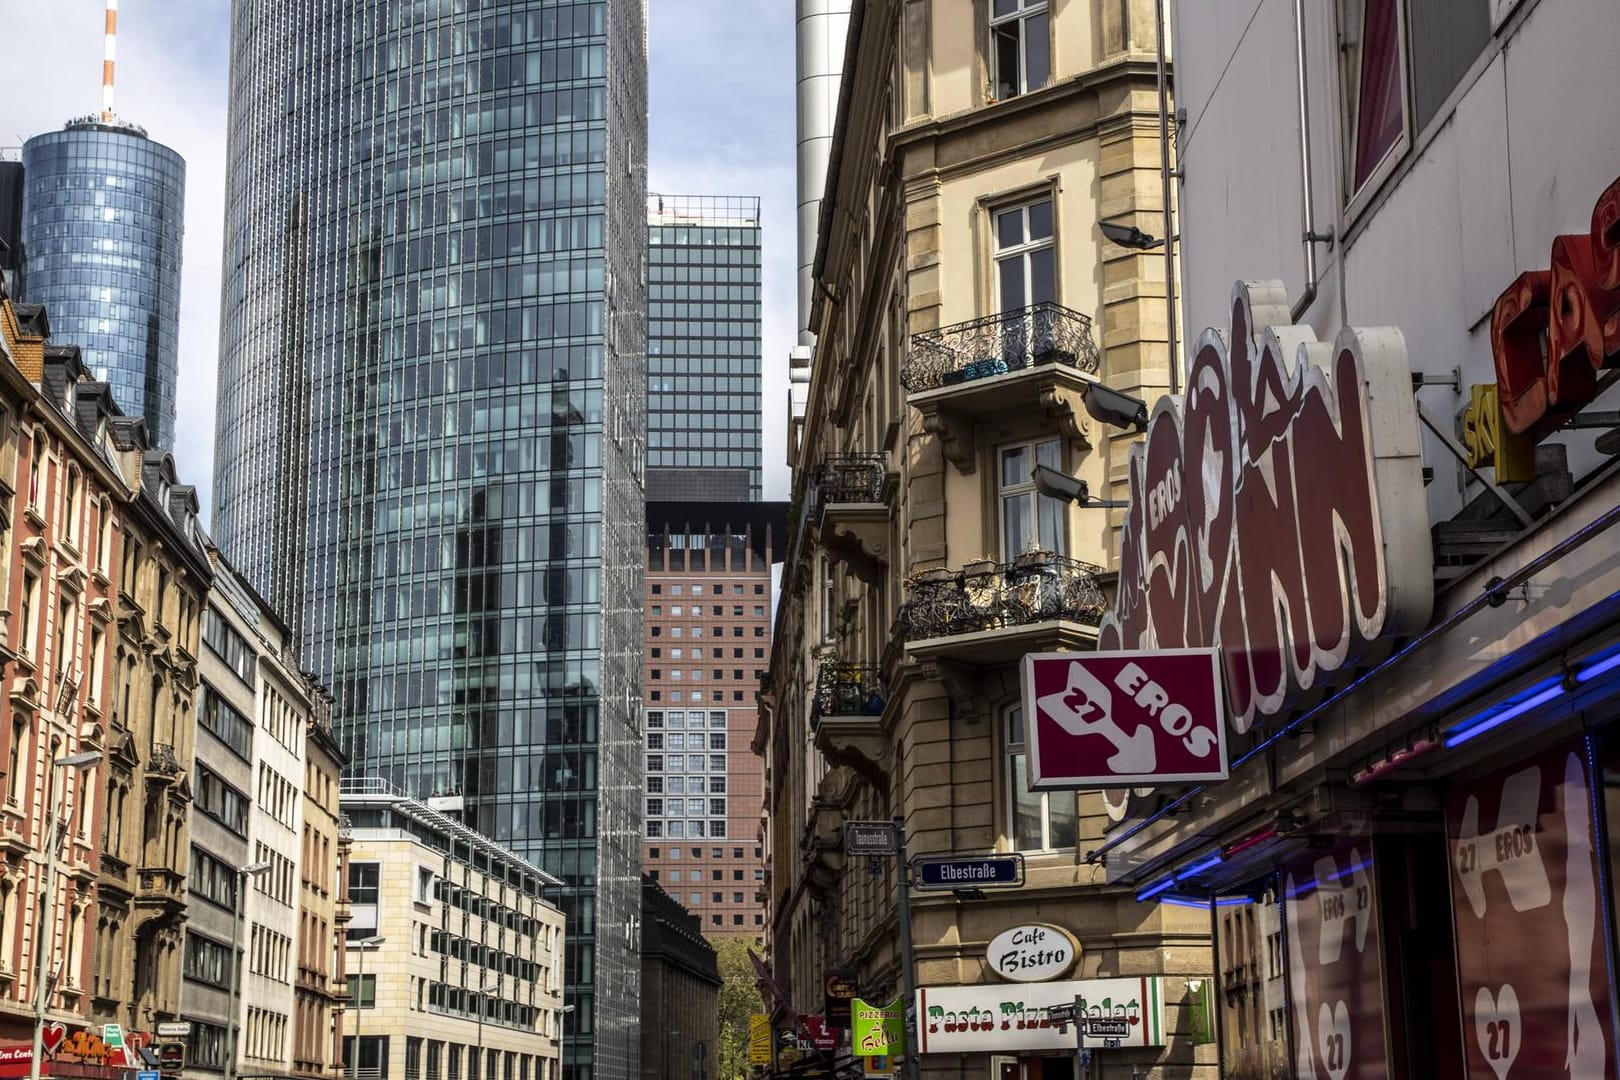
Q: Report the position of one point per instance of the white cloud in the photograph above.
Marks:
(172, 81)
(722, 123)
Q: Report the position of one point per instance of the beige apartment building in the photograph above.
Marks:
(454, 958)
(966, 302)
(323, 906)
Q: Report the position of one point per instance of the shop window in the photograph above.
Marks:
(1037, 820)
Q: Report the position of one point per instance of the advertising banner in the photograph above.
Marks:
(1124, 718)
(1008, 1016)
(876, 1031)
(1530, 967)
(759, 1039)
(815, 1034)
(1335, 975)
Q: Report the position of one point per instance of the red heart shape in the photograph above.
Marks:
(52, 1035)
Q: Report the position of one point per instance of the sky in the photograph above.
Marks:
(716, 127)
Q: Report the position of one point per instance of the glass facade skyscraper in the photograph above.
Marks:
(431, 419)
(703, 348)
(103, 216)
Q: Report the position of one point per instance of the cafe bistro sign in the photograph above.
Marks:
(1032, 953)
(1277, 508)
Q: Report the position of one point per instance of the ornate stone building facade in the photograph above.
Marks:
(967, 305)
(59, 491)
(162, 582)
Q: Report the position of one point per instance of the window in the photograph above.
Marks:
(72, 507)
(207, 961)
(717, 740)
(14, 776)
(35, 461)
(1020, 47)
(1026, 258)
(1040, 821)
(229, 726)
(363, 991)
(1029, 520)
(30, 612)
(363, 880)
(220, 801)
(1374, 76)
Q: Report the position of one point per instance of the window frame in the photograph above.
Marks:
(1026, 247)
(1012, 751)
(1022, 13)
(1357, 198)
(1025, 490)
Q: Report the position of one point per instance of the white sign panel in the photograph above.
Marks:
(1031, 953)
(1010, 1016)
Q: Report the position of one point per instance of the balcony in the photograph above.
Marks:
(847, 717)
(1036, 358)
(989, 613)
(853, 495)
(164, 767)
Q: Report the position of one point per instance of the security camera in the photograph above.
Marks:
(1115, 409)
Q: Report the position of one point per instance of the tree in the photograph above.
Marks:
(739, 999)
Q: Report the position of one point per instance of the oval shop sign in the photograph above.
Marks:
(1034, 952)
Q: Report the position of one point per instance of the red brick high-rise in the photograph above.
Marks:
(708, 618)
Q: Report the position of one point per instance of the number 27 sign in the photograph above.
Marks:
(1111, 719)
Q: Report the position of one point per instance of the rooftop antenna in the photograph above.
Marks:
(108, 57)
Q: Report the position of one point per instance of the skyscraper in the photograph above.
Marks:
(431, 418)
(103, 216)
(703, 348)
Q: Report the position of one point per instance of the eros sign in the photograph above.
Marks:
(1274, 513)
(1032, 953)
(1119, 719)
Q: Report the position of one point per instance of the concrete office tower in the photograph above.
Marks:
(703, 348)
(821, 29)
(103, 217)
(431, 392)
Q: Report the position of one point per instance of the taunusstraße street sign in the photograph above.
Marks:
(869, 838)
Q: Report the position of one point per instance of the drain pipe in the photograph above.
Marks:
(1169, 216)
(1490, 596)
(1307, 168)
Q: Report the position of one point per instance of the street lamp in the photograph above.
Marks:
(483, 988)
(1129, 236)
(45, 936)
(1060, 485)
(365, 945)
(232, 1026)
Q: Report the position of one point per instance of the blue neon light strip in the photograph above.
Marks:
(1169, 880)
(1496, 716)
(1599, 665)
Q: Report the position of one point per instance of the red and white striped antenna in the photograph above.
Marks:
(108, 57)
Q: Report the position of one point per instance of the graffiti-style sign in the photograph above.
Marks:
(1526, 900)
(1277, 508)
(1552, 330)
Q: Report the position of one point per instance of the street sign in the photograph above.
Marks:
(974, 872)
(1124, 719)
(113, 1036)
(870, 838)
(174, 1029)
(171, 1056)
(1107, 1028)
(148, 1074)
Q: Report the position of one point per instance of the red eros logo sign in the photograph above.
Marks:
(1553, 329)
(1277, 510)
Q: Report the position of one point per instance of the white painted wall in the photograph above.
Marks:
(1458, 220)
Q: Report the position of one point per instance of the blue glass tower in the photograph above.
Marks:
(103, 216)
(431, 420)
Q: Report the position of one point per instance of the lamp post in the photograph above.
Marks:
(235, 986)
(483, 988)
(45, 933)
(365, 945)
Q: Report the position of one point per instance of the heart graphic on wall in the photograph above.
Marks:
(52, 1035)
(1496, 1026)
(1333, 1038)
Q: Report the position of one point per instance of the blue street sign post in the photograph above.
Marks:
(148, 1074)
(970, 872)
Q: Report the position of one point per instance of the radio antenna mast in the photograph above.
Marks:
(108, 57)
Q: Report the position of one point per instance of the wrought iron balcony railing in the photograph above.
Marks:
(851, 478)
(1035, 587)
(996, 344)
(847, 690)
